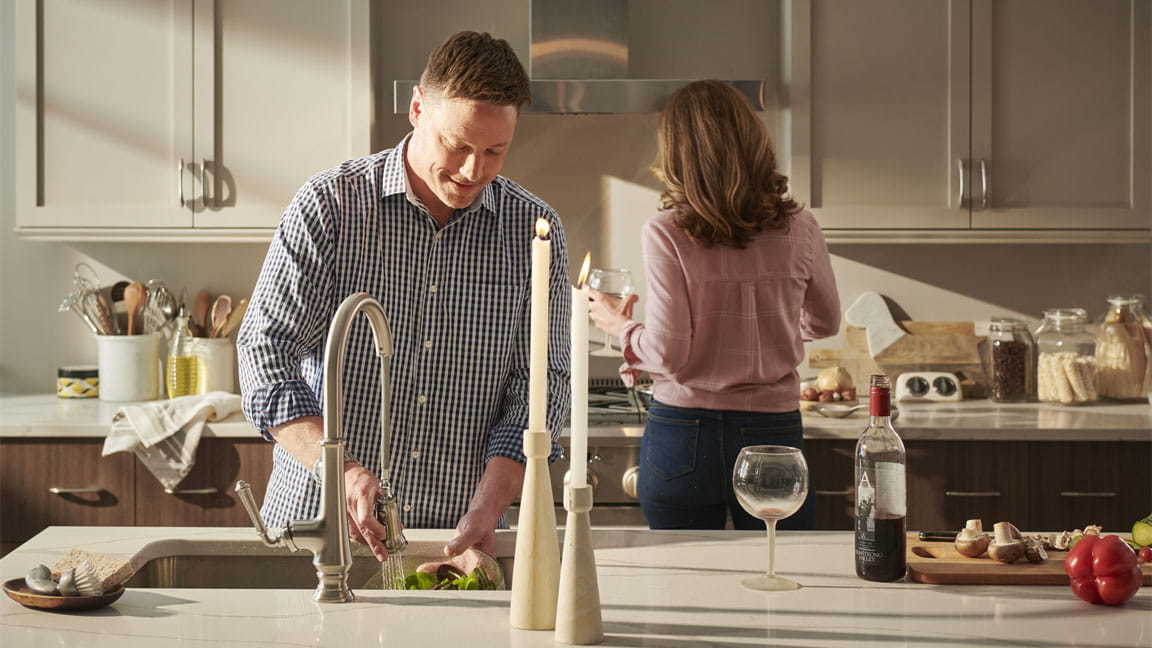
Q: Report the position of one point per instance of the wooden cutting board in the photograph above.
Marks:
(937, 563)
(930, 346)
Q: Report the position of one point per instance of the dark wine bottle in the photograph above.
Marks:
(881, 499)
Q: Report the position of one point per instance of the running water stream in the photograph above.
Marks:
(392, 571)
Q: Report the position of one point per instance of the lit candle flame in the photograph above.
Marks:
(541, 228)
(584, 268)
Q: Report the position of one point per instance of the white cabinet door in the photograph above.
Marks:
(103, 114)
(282, 92)
(1061, 119)
(878, 100)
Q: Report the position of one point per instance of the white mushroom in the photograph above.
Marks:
(972, 541)
(1007, 545)
(1034, 550)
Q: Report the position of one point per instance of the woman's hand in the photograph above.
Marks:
(610, 314)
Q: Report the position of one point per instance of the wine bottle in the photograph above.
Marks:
(881, 500)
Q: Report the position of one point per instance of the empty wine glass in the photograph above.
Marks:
(771, 483)
(613, 282)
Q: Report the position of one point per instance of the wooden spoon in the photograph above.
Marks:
(135, 295)
(234, 318)
(221, 308)
(200, 307)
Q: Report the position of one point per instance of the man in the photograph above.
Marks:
(432, 231)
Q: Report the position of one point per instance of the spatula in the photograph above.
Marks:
(234, 319)
(221, 308)
(200, 308)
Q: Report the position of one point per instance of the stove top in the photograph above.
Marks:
(611, 403)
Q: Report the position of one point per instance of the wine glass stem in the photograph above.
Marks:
(771, 547)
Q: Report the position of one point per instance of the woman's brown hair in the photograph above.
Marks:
(717, 164)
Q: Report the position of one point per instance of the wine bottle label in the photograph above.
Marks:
(883, 494)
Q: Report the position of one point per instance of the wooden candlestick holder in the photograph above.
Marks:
(536, 574)
(578, 619)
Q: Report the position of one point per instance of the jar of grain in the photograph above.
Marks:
(1013, 361)
(1122, 350)
(1066, 366)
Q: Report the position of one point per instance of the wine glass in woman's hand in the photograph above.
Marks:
(615, 283)
(771, 483)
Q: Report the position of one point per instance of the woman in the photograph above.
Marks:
(738, 278)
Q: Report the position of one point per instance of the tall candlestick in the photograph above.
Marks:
(536, 581)
(579, 373)
(538, 353)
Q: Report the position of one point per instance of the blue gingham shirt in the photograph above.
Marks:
(457, 301)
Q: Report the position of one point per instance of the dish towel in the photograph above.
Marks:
(165, 434)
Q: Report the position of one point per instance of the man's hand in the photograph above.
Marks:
(610, 314)
(476, 529)
(360, 490)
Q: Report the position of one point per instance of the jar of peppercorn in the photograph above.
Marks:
(1013, 375)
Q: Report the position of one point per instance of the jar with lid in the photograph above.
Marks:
(1013, 365)
(1122, 350)
(1066, 366)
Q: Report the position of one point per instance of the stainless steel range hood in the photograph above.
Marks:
(579, 64)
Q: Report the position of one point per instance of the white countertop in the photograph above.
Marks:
(669, 588)
(45, 415)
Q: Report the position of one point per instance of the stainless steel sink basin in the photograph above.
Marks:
(251, 565)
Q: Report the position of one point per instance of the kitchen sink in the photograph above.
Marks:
(251, 565)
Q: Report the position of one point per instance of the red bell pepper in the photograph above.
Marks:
(1103, 570)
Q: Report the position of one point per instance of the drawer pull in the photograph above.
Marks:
(191, 491)
(1090, 494)
(56, 490)
(845, 492)
(972, 493)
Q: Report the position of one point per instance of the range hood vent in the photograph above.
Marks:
(579, 64)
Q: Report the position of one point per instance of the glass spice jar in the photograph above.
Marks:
(1122, 350)
(1013, 366)
(1066, 365)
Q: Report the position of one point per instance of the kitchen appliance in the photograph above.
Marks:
(938, 386)
(616, 417)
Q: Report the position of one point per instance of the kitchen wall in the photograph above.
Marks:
(592, 169)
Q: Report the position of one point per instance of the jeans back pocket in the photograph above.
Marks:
(669, 446)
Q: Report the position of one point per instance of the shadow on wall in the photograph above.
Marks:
(1013, 278)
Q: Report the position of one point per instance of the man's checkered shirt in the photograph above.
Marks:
(457, 304)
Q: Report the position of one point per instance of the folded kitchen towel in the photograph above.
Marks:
(164, 434)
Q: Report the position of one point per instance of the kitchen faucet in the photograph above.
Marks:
(326, 536)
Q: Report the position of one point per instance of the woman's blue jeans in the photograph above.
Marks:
(686, 461)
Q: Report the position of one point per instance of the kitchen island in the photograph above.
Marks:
(672, 588)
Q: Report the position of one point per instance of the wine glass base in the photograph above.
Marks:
(765, 583)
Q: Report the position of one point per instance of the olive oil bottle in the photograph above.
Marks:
(182, 374)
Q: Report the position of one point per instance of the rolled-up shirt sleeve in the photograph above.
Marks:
(663, 343)
(287, 313)
(820, 315)
(506, 436)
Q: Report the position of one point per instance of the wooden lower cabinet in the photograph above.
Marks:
(950, 482)
(47, 482)
(207, 496)
(1091, 482)
(831, 472)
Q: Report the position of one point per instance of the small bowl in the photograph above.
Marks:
(18, 591)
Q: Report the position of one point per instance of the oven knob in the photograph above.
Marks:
(593, 479)
(629, 481)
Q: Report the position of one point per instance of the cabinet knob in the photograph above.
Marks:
(630, 480)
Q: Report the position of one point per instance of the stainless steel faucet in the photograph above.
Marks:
(326, 536)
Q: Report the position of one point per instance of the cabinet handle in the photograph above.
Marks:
(1088, 494)
(191, 491)
(960, 197)
(972, 493)
(845, 492)
(984, 201)
(56, 490)
(204, 183)
(180, 181)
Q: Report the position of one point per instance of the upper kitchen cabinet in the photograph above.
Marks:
(103, 114)
(972, 119)
(182, 119)
(878, 100)
(1060, 114)
(282, 92)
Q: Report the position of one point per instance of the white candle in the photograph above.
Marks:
(579, 373)
(538, 350)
